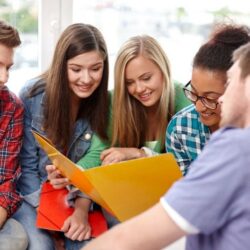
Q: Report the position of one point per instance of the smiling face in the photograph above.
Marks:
(85, 73)
(144, 81)
(211, 85)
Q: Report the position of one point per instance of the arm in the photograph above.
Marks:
(113, 155)
(29, 183)
(10, 143)
(153, 229)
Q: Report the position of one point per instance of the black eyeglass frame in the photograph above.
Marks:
(202, 98)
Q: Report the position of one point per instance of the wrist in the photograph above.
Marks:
(148, 152)
(141, 153)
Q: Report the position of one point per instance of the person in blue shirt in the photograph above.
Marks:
(215, 212)
(190, 129)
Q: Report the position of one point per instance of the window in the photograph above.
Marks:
(23, 14)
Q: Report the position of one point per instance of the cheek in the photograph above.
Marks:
(130, 89)
(71, 76)
(97, 77)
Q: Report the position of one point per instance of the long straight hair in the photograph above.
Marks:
(129, 115)
(78, 38)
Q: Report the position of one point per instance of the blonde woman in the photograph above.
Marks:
(145, 99)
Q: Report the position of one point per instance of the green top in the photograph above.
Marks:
(92, 157)
(181, 100)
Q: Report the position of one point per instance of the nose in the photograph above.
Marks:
(4, 75)
(139, 87)
(200, 107)
(85, 76)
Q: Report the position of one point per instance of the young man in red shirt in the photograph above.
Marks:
(12, 235)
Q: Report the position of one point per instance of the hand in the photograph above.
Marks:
(55, 177)
(76, 227)
(113, 155)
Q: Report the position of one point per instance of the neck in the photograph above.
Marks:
(213, 128)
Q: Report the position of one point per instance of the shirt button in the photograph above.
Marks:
(87, 136)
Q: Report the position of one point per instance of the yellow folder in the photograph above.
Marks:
(125, 189)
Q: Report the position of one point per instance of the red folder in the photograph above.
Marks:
(54, 210)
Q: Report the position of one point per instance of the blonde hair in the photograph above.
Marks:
(129, 116)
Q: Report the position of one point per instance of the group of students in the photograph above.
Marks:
(70, 104)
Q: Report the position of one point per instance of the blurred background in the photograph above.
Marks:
(180, 26)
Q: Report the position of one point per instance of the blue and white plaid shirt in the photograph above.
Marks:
(186, 136)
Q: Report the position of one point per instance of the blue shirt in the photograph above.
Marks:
(33, 159)
(186, 136)
(218, 199)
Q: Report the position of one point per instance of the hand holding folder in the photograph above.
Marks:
(125, 189)
(54, 210)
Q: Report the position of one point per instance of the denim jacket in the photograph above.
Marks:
(33, 159)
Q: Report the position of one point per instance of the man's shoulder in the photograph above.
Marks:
(231, 138)
(231, 133)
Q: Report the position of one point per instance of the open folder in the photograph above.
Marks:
(126, 188)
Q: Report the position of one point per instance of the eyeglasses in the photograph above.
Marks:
(206, 101)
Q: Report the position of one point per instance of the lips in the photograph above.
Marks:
(145, 96)
(84, 87)
(206, 115)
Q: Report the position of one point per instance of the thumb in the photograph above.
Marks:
(66, 226)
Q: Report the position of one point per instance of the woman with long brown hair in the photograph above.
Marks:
(69, 105)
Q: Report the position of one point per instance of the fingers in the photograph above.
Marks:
(105, 153)
(77, 231)
(59, 183)
(82, 232)
(50, 169)
(110, 160)
(55, 178)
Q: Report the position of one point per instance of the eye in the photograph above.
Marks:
(96, 68)
(75, 69)
(211, 100)
(146, 78)
(128, 82)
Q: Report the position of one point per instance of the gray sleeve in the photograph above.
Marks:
(214, 175)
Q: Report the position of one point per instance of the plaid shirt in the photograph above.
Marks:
(186, 136)
(11, 129)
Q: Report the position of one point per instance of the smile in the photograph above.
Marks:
(145, 96)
